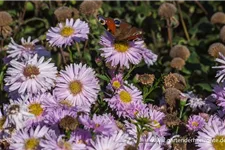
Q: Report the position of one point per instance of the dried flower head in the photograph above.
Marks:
(181, 84)
(222, 34)
(89, 7)
(180, 143)
(5, 19)
(130, 147)
(180, 51)
(215, 49)
(167, 10)
(99, 3)
(218, 18)
(5, 31)
(68, 123)
(146, 79)
(171, 119)
(170, 80)
(63, 13)
(171, 95)
(177, 63)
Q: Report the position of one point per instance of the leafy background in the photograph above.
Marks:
(34, 18)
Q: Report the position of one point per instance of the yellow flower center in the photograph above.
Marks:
(218, 142)
(75, 87)
(125, 96)
(194, 123)
(67, 31)
(66, 103)
(156, 124)
(121, 46)
(116, 84)
(31, 144)
(97, 125)
(2, 121)
(36, 109)
(64, 145)
(31, 71)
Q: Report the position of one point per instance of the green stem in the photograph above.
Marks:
(183, 23)
(180, 116)
(78, 50)
(63, 57)
(138, 136)
(71, 55)
(128, 74)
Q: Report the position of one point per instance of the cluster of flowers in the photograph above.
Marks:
(54, 110)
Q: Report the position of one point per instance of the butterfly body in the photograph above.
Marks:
(121, 30)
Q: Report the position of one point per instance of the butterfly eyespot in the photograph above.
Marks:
(102, 21)
(117, 22)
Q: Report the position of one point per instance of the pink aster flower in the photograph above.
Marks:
(26, 50)
(149, 142)
(68, 33)
(31, 77)
(195, 123)
(126, 52)
(28, 138)
(125, 99)
(77, 84)
(221, 73)
(52, 141)
(104, 124)
(117, 141)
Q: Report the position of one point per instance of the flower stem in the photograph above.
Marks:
(169, 30)
(71, 55)
(128, 74)
(63, 57)
(78, 50)
(183, 23)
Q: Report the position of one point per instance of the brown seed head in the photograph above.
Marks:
(167, 10)
(89, 7)
(171, 119)
(215, 49)
(222, 34)
(171, 95)
(63, 13)
(181, 84)
(177, 63)
(180, 51)
(68, 123)
(146, 79)
(130, 147)
(218, 18)
(5, 18)
(170, 80)
(5, 31)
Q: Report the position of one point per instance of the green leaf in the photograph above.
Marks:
(103, 77)
(205, 86)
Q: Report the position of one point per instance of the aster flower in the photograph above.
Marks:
(35, 106)
(219, 94)
(195, 123)
(82, 136)
(125, 53)
(211, 137)
(53, 141)
(32, 76)
(155, 120)
(220, 74)
(193, 101)
(77, 84)
(104, 124)
(124, 98)
(26, 50)
(17, 114)
(68, 33)
(28, 138)
(117, 82)
(149, 142)
(65, 118)
(115, 142)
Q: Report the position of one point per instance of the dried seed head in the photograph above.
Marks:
(179, 143)
(170, 80)
(177, 63)
(5, 31)
(218, 18)
(222, 34)
(215, 49)
(63, 13)
(5, 18)
(130, 147)
(181, 84)
(146, 79)
(167, 10)
(68, 123)
(180, 51)
(171, 119)
(171, 95)
(89, 7)
(99, 3)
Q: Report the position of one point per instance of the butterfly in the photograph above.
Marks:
(121, 30)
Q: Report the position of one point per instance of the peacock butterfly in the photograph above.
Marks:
(121, 30)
